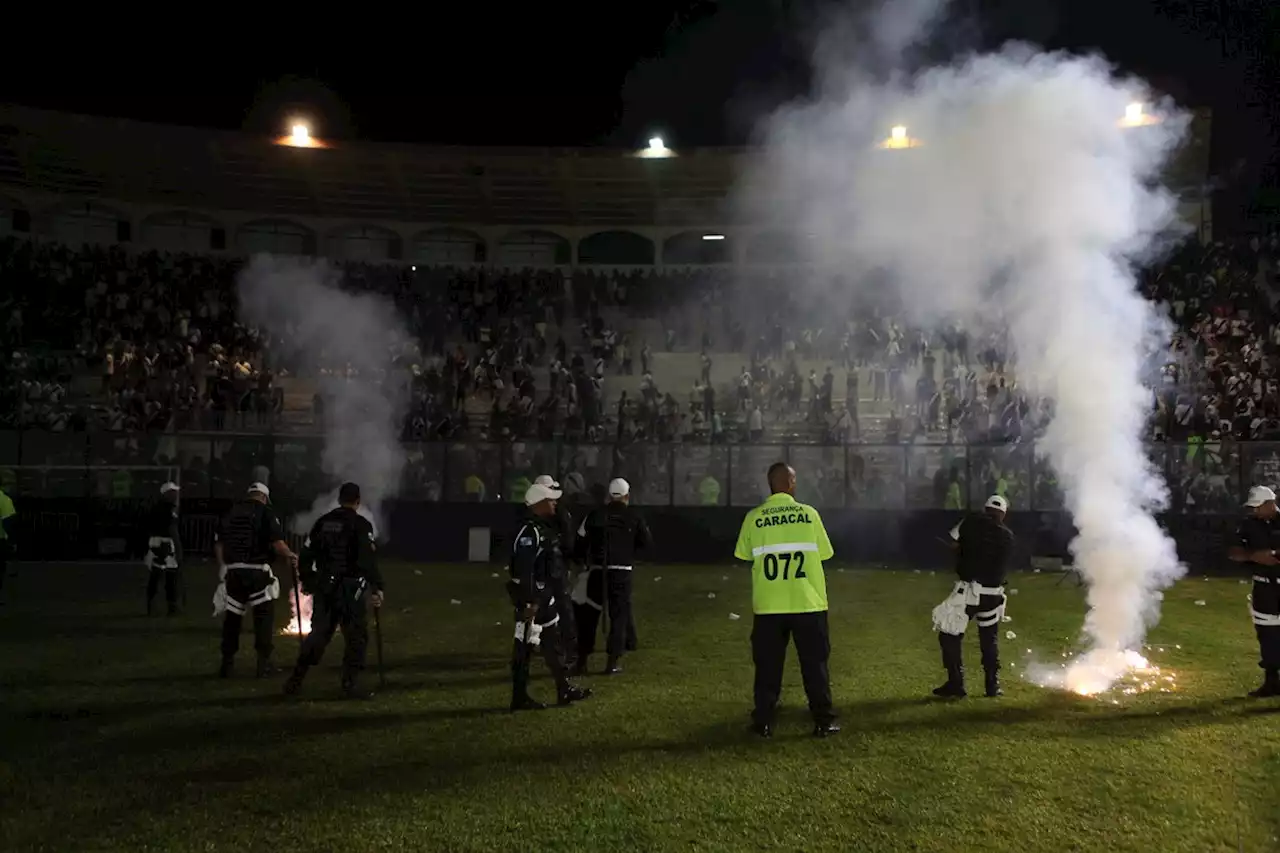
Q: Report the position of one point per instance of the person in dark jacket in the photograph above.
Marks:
(613, 534)
(566, 531)
(163, 557)
(984, 549)
(536, 572)
(339, 569)
(1256, 538)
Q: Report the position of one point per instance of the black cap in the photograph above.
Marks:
(348, 494)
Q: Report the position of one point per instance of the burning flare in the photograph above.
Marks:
(1098, 670)
(299, 623)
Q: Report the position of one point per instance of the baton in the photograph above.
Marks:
(377, 633)
(297, 604)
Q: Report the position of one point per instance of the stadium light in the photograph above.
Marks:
(899, 138)
(712, 236)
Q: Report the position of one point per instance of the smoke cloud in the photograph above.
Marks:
(356, 337)
(1010, 195)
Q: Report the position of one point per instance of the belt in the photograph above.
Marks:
(987, 590)
(1262, 579)
(262, 567)
(612, 568)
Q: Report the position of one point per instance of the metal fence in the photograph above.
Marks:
(1202, 477)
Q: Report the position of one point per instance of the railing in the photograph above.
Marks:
(1203, 477)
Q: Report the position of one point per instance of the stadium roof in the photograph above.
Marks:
(105, 158)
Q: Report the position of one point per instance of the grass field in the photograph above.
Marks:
(114, 735)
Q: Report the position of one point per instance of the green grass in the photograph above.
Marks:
(113, 735)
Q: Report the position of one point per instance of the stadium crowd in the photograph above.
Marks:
(140, 340)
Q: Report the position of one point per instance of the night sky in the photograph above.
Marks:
(697, 71)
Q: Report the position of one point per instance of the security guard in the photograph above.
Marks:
(1256, 536)
(564, 602)
(984, 548)
(535, 564)
(164, 549)
(786, 544)
(246, 540)
(338, 568)
(613, 534)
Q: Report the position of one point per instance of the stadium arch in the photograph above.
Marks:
(182, 231)
(693, 247)
(533, 247)
(448, 246)
(364, 242)
(617, 248)
(77, 223)
(276, 237)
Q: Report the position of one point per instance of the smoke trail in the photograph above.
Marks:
(1010, 195)
(317, 325)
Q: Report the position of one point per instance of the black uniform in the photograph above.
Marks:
(985, 549)
(1258, 534)
(164, 553)
(247, 535)
(613, 533)
(339, 569)
(566, 529)
(537, 572)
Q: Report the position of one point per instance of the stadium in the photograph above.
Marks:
(578, 313)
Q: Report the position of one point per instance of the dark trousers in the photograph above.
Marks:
(770, 635)
(1266, 600)
(170, 577)
(551, 642)
(4, 561)
(568, 624)
(242, 584)
(986, 610)
(622, 623)
(342, 608)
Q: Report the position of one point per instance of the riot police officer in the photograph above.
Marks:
(565, 529)
(984, 549)
(536, 572)
(339, 569)
(163, 557)
(1256, 545)
(613, 533)
(246, 540)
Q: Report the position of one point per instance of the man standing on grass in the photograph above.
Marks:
(984, 547)
(786, 544)
(1256, 536)
(613, 533)
(164, 549)
(535, 566)
(564, 602)
(339, 568)
(249, 535)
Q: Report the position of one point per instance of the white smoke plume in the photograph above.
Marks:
(1012, 192)
(315, 325)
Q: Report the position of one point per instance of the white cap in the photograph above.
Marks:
(169, 487)
(546, 480)
(537, 493)
(260, 487)
(619, 488)
(1259, 495)
(997, 502)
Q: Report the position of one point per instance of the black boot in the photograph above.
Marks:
(993, 683)
(224, 671)
(573, 693)
(294, 683)
(1270, 685)
(954, 687)
(612, 668)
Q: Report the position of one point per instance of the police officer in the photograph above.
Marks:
(786, 544)
(1256, 536)
(565, 529)
(613, 534)
(984, 548)
(338, 568)
(247, 538)
(164, 549)
(535, 565)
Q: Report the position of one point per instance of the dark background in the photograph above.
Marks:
(696, 71)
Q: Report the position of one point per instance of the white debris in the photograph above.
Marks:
(417, 571)
(494, 575)
(1013, 592)
(1200, 602)
(1009, 635)
(734, 617)
(1013, 666)
(724, 577)
(1035, 571)
(658, 578)
(711, 595)
(498, 624)
(1177, 647)
(454, 601)
(1243, 581)
(1007, 619)
(916, 572)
